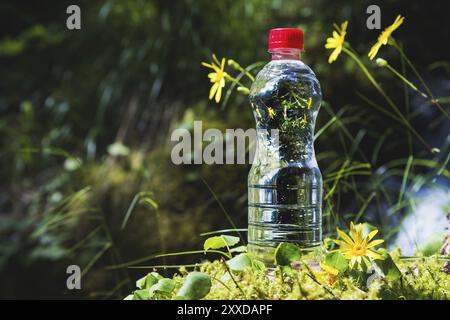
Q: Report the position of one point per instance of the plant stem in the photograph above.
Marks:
(232, 277)
(422, 81)
(385, 96)
(409, 83)
(232, 79)
(162, 255)
(238, 67)
(407, 106)
(222, 208)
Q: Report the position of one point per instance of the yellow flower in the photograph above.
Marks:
(384, 36)
(271, 112)
(217, 77)
(336, 41)
(355, 246)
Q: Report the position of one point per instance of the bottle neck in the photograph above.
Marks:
(285, 54)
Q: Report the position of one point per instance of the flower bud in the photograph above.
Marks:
(234, 64)
(243, 90)
(381, 62)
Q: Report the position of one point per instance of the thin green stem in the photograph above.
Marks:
(434, 101)
(385, 96)
(232, 79)
(232, 278)
(409, 83)
(407, 106)
(163, 266)
(405, 179)
(238, 67)
(172, 254)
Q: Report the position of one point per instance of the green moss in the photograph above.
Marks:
(421, 278)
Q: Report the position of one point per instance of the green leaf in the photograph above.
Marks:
(337, 261)
(156, 275)
(147, 281)
(388, 267)
(239, 249)
(240, 262)
(196, 286)
(286, 253)
(258, 265)
(164, 285)
(218, 242)
(142, 294)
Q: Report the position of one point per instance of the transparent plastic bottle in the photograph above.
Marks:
(285, 183)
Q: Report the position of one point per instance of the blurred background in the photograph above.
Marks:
(86, 117)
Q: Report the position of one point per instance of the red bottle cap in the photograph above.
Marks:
(285, 38)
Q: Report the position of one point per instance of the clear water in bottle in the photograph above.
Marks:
(284, 183)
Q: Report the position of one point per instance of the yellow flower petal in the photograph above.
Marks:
(219, 93)
(335, 35)
(217, 78)
(374, 50)
(344, 236)
(210, 66)
(352, 262)
(215, 59)
(336, 41)
(355, 247)
(355, 232)
(374, 243)
(213, 90)
(334, 55)
(374, 255)
(343, 244)
(330, 44)
(372, 234)
(398, 22)
(384, 37)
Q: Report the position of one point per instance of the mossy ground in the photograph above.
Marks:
(421, 278)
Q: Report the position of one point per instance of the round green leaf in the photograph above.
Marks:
(142, 294)
(388, 267)
(218, 242)
(147, 281)
(286, 253)
(337, 261)
(239, 262)
(196, 286)
(164, 285)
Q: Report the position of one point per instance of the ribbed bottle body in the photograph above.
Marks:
(284, 183)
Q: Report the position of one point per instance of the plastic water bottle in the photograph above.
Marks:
(285, 183)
